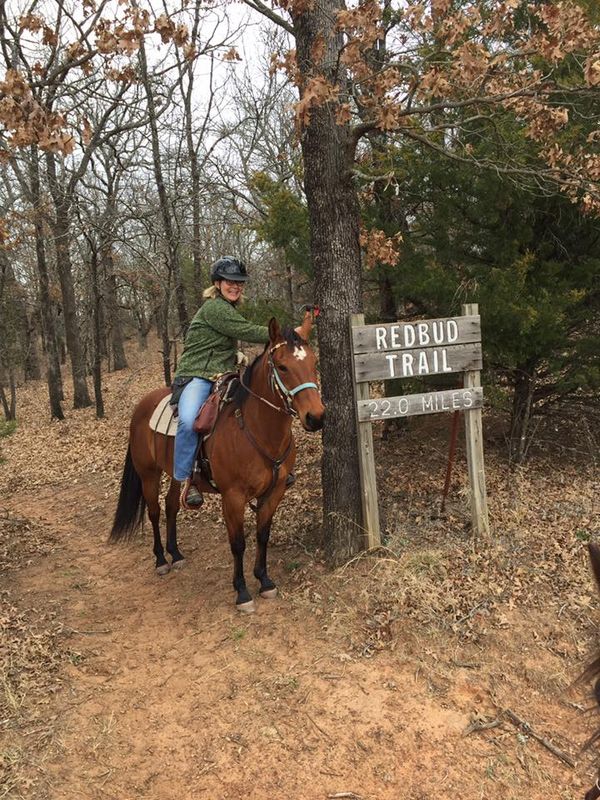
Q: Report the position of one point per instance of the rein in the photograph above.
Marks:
(286, 395)
(276, 463)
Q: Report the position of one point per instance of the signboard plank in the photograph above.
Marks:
(412, 350)
(417, 363)
(474, 443)
(366, 463)
(426, 403)
(418, 334)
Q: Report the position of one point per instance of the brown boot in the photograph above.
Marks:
(191, 498)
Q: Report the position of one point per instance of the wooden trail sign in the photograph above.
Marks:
(416, 349)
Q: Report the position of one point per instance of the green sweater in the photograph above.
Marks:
(211, 341)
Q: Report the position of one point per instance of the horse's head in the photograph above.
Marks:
(294, 370)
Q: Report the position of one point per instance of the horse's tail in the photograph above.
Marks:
(131, 505)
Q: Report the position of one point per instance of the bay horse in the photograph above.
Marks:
(251, 453)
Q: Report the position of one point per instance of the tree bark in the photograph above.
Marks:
(187, 93)
(115, 326)
(165, 210)
(144, 325)
(97, 366)
(32, 367)
(109, 311)
(9, 406)
(165, 339)
(525, 380)
(61, 225)
(387, 302)
(289, 278)
(328, 151)
(53, 376)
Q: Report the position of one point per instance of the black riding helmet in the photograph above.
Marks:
(228, 268)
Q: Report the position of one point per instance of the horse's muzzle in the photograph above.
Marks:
(312, 423)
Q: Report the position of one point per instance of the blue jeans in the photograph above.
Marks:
(186, 439)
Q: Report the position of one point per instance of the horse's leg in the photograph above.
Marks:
(233, 511)
(171, 509)
(151, 488)
(264, 519)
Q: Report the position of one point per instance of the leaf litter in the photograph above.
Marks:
(478, 629)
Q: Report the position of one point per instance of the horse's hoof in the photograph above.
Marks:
(246, 608)
(163, 569)
(178, 564)
(269, 594)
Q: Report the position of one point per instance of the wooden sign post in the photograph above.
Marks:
(417, 349)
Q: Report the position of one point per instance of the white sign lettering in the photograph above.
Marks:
(421, 334)
(424, 362)
(413, 404)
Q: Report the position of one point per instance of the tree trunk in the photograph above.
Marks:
(97, 368)
(114, 319)
(194, 173)
(525, 381)
(33, 370)
(289, 276)
(166, 342)
(387, 302)
(167, 220)
(13, 317)
(144, 326)
(81, 395)
(53, 376)
(328, 154)
(9, 407)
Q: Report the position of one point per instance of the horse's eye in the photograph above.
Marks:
(282, 368)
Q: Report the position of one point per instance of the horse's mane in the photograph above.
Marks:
(241, 393)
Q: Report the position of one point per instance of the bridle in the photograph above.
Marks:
(279, 387)
(287, 396)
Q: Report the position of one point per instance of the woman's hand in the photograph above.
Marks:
(304, 330)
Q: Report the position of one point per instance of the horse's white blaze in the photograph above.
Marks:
(299, 353)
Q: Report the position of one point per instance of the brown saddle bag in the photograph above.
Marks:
(221, 393)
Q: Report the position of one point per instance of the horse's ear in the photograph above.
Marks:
(306, 327)
(594, 551)
(274, 330)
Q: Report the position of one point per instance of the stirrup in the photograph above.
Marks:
(290, 480)
(190, 498)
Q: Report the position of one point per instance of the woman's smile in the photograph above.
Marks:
(231, 290)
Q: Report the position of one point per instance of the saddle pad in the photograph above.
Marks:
(163, 420)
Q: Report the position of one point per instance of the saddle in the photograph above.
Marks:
(164, 418)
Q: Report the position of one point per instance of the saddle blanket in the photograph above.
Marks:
(163, 420)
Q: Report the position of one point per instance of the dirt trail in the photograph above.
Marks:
(172, 693)
(357, 683)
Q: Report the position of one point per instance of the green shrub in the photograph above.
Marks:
(7, 427)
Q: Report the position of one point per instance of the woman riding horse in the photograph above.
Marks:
(209, 350)
(251, 452)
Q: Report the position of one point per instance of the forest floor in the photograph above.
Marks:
(394, 676)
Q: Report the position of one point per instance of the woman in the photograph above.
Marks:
(210, 349)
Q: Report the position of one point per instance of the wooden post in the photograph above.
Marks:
(474, 443)
(366, 460)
